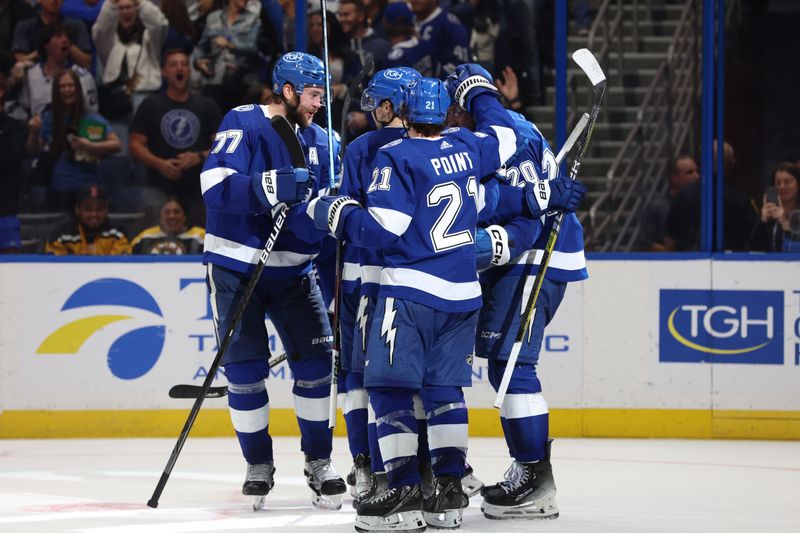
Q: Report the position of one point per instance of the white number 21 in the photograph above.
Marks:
(440, 234)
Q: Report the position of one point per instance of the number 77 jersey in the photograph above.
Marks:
(422, 208)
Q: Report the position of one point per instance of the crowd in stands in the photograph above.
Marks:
(128, 95)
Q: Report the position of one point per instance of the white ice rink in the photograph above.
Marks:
(609, 485)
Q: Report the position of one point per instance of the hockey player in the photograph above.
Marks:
(246, 179)
(383, 97)
(509, 248)
(422, 208)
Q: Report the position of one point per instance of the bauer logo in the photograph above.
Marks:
(721, 326)
(132, 354)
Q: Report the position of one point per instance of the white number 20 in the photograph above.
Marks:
(441, 238)
(234, 135)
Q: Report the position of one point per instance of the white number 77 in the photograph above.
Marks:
(221, 137)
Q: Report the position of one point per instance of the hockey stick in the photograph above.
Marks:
(336, 359)
(286, 132)
(587, 62)
(192, 391)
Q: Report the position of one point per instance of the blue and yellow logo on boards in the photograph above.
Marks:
(721, 326)
(131, 355)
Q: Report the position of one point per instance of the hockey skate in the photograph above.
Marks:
(470, 483)
(528, 492)
(426, 476)
(258, 481)
(326, 484)
(380, 482)
(398, 509)
(444, 507)
(360, 476)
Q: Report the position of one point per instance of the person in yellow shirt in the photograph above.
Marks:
(91, 233)
(172, 236)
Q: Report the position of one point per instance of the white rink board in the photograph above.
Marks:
(603, 350)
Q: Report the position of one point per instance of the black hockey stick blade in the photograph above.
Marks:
(287, 134)
(184, 391)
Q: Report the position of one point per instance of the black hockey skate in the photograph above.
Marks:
(360, 477)
(398, 509)
(380, 482)
(528, 492)
(427, 483)
(258, 481)
(444, 507)
(327, 485)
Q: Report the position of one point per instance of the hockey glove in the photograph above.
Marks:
(558, 194)
(330, 212)
(492, 247)
(468, 81)
(286, 185)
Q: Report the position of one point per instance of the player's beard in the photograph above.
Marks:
(295, 114)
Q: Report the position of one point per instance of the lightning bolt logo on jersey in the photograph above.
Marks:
(388, 330)
(361, 319)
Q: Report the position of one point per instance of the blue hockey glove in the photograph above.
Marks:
(468, 81)
(558, 194)
(330, 212)
(492, 247)
(286, 185)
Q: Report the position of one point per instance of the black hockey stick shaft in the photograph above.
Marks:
(185, 391)
(292, 143)
(336, 358)
(589, 65)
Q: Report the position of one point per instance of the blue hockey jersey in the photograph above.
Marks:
(362, 266)
(535, 161)
(413, 53)
(448, 38)
(238, 215)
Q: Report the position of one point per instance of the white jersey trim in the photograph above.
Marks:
(351, 272)
(371, 274)
(248, 254)
(390, 219)
(508, 142)
(560, 260)
(214, 176)
(422, 281)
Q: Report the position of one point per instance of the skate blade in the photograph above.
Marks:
(258, 503)
(471, 485)
(329, 502)
(403, 521)
(536, 510)
(449, 519)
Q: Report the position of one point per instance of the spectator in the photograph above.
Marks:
(485, 30)
(172, 236)
(128, 35)
(364, 41)
(683, 221)
(12, 148)
(12, 12)
(523, 43)
(91, 233)
(407, 50)
(445, 33)
(774, 232)
(85, 10)
(226, 52)
(75, 139)
(37, 87)
(682, 172)
(182, 32)
(171, 134)
(27, 35)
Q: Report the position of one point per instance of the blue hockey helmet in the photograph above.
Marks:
(389, 84)
(298, 69)
(427, 101)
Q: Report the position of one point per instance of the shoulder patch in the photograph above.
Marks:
(245, 107)
(480, 134)
(452, 19)
(392, 143)
(395, 54)
(450, 130)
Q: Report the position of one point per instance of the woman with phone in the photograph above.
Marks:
(69, 140)
(774, 231)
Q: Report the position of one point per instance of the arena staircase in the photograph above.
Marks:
(649, 50)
